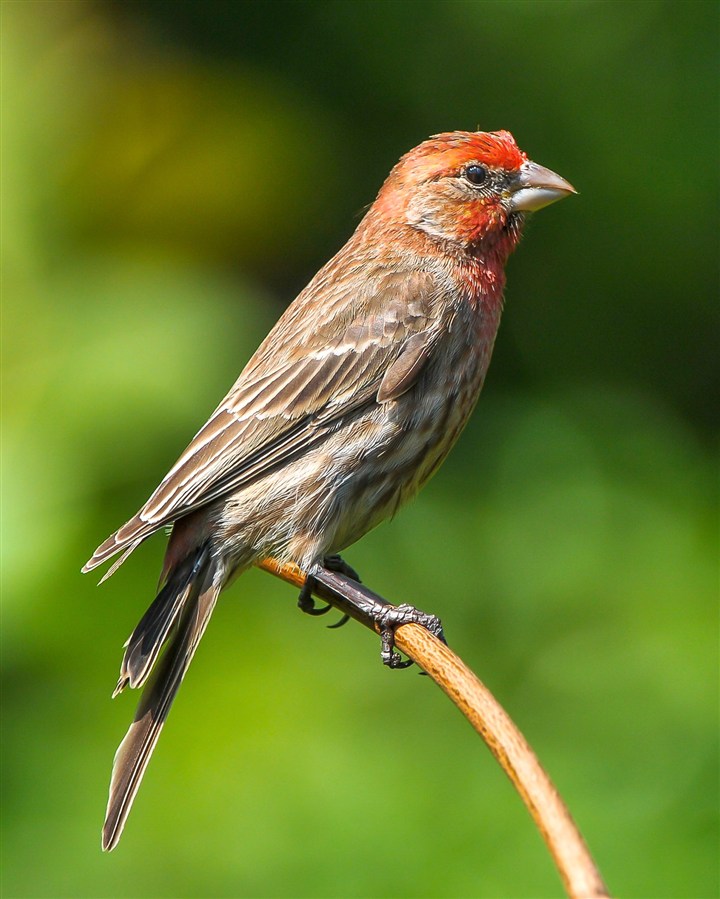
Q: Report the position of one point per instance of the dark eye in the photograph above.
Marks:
(475, 174)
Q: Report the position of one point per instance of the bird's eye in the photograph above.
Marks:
(475, 174)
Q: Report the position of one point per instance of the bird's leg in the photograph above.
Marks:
(305, 599)
(356, 600)
(366, 606)
(337, 564)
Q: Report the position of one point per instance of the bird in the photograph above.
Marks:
(346, 409)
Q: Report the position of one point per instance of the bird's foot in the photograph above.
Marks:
(340, 566)
(390, 618)
(306, 603)
(332, 580)
(365, 605)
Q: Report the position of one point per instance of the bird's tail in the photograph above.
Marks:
(179, 616)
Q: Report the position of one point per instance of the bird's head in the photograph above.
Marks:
(470, 188)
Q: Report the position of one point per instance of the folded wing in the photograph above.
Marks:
(303, 380)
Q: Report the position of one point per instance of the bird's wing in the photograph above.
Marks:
(309, 373)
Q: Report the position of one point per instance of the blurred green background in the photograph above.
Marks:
(173, 174)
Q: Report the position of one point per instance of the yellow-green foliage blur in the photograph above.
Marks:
(173, 174)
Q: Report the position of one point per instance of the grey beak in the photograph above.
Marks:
(536, 187)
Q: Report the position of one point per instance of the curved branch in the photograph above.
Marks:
(579, 874)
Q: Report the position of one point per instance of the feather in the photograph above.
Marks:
(151, 633)
(135, 751)
(290, 399)
(406, 369)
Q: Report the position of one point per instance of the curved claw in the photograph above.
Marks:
(343, 620)
(319, 610)
(310, 608)
(397, 662)
(306, 603)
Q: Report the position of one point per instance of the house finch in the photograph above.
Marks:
(349, 405)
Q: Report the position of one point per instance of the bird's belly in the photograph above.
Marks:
(412, 444)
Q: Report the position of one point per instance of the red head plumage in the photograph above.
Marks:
(451, 151)
(448, 153)
(424, 190)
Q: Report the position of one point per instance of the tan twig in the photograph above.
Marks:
(578, 871)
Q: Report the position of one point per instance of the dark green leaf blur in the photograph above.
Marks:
(173, 174)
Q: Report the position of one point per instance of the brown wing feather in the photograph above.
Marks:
(403, 373)
(301, 380)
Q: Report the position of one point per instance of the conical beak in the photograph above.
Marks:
(536, 187)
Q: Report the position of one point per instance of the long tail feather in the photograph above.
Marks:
(148, 638)
(134, 752)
